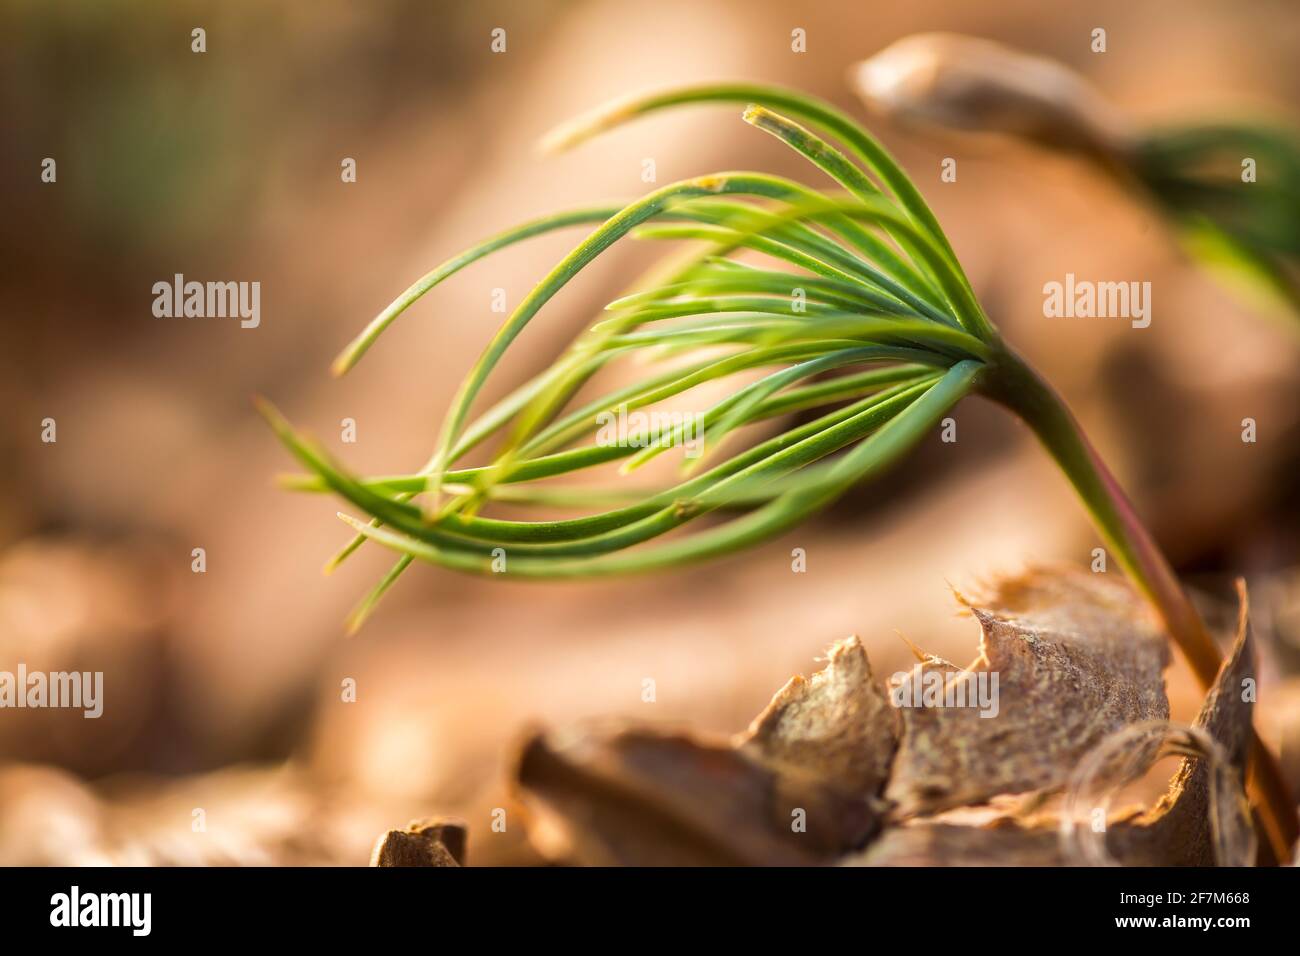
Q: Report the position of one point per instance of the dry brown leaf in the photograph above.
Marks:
(1079, 659)
(1077, 655)
(629, 795)
(929, 842)
(434, 842)
(799, 787)
(1176, 831)
(838, 724)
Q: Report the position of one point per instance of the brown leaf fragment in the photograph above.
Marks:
(929, 842)
(1175, 831)
(433, 842)
(1178, 830)
(837, 725)
(800, 786)
(637, 796)
(1076, 656)
(597, 799)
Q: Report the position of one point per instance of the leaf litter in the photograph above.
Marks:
(831, 771)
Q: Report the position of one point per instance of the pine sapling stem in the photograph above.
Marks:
(1011, 382)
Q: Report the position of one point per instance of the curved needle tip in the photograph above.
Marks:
(560, 138)
(272, 414)
(344, 361)
(355, 621)
(584, 127)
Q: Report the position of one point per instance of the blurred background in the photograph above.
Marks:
(223, 689)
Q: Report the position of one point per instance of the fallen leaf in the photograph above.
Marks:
(799, 787)
(1076, 656)
(1178, 830)
(1079, 659)
(434, 842)
(929, 842)
(837, 725)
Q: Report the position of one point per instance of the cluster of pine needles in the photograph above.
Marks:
(848, 302)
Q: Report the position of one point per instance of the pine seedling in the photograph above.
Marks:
(849, 306)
